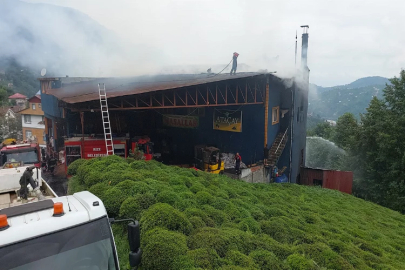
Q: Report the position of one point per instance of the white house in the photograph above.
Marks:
(33, 124)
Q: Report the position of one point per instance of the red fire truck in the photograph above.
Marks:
(89, 147)
(28, 153)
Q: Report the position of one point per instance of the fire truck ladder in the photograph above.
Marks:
(105, 116)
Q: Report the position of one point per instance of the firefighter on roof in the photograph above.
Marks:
(234, 63)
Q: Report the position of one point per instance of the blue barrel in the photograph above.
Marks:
(281, 179)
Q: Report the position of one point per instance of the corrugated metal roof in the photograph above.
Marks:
(76, 90)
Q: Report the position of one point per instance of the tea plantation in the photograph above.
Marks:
(196, 220)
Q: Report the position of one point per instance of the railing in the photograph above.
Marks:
(281, 141)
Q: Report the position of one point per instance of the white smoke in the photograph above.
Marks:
(67, 42)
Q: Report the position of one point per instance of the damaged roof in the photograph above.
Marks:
(76, 90)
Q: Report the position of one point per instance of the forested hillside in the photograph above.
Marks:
(23, 79)
(332, 102)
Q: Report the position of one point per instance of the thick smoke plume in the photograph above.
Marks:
(67, 42)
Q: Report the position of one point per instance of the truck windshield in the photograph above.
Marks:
(87, 246)
(28, 157)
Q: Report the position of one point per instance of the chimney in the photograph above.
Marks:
(304, 49)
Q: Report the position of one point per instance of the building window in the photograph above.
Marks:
(318, 182)
(28, 134)
(27, 119)
(275, 115)
(33, 106)
(44, 137)
(39, 105)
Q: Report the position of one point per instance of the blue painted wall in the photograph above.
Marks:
(299, 129)
(50, 106)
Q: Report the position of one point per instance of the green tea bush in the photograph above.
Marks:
(74, 185)
(169, 197)
(236, 258)
(218, 216)
(134, 206)
(266, 260)
(113, 198)
(149, 165)
(197, 220)
(161, 249)
(299, 262)
(93, 178)
(197, 187)
(130, 208)
(119, 166)
(128, 188)
(249, 225)
(145, 200)
(72, 169)
(205, 258)
(204, 197)
(165, 216)
(99, 190)
(210, 238)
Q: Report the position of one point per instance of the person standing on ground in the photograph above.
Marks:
(266, 154)
(238, 160)
(234, 63)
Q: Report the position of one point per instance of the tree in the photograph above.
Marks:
(346, 131)
(324, 130)
(3, 96)
(382, 147)
(11, 128)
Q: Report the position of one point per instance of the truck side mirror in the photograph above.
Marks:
(134, 239)
(135, 258)
(134, 236)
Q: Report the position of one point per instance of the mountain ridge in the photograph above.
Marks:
(332, 102)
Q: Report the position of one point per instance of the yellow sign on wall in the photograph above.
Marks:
(228, 120)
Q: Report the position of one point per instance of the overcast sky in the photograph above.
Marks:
(348, 39)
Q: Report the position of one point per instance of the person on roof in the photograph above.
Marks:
(235, 62)
(26, 179)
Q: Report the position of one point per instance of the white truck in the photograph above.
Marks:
(69, 232)
(10, 175)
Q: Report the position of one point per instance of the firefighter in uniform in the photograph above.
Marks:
(26, 179)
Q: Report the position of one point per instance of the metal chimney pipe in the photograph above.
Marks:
(304, 49)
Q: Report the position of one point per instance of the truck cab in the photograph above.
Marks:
(28, 153)
(70, 232)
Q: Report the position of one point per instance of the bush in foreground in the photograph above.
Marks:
(197, 220)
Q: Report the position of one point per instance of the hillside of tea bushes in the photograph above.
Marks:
(196, 220)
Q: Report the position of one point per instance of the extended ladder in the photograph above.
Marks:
(105, 116)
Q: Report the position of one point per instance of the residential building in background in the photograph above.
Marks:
(20, 99)
(33, 124)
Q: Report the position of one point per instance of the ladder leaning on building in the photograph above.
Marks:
(105, 117)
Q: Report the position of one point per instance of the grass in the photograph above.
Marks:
(196, 220)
